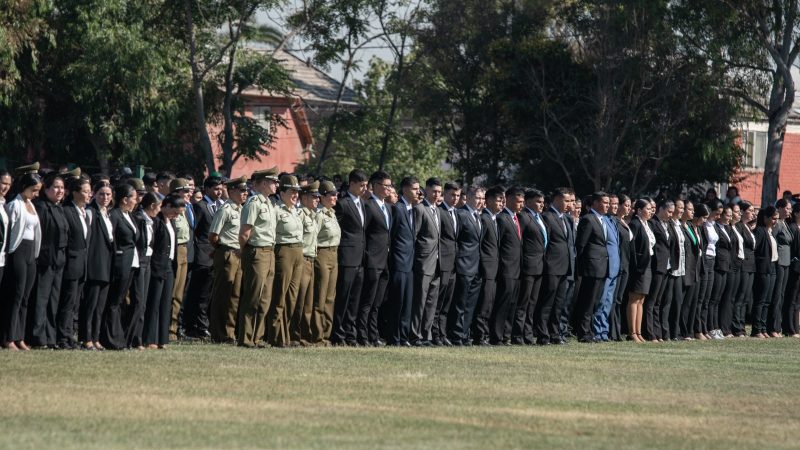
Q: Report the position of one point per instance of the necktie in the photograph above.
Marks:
(360, 212)
(453, 216)
(516, 223)
(190, 215)
(566, 225)
(435, 217)
(385, 216)
(477, 221)
(538, 220)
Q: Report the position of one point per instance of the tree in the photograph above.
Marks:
(753, 44)
(22, 24)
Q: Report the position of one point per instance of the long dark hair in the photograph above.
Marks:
(767, 211)
(23, 182)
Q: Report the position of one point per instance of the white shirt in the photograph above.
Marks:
(650, 236)
(4, 224)
(681, 269)
(107, 223)
(713, 237)
(29, 232)
(740, 253)
(452, 213)
(171, 240)
(602, 223)
(357, 202)
(774, 244)
(82, 215)
(128, 219)
(148, 229)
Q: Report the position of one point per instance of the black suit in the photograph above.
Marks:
(198, 298)
(134, 312)
(792, 301)
(158, 313)
(533, 252)
(351, 271)
(652, 323)
(732, 279)
(468, 281)
(112, 334)
(376, 270)
(509, 252)
(401, 260)
(426, 271)
(764, 279)
(557, 267)
(98, 276)
(488, 271)
(447, 274)
(625, 249)
(744, 296)
(722, 266)
(592, 266)
(74, 272)
(693, 251)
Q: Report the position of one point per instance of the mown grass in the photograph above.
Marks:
(739, 393)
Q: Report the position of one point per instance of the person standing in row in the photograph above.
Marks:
(288, 264)
(224, 237)
(376, 259)
(183, 234)
(489, 265)
(603, 309)
(98, 269)
(534, 245)
(783, 237)
(766, 257)
(744, 296)
(426, 263)
(468, 259)
(592, 264)
(5, 186)
(620, 219)
(791, 309)
(133, 311)
(734, 274)
(447, 260)
(509, 252)
(401, 262)
(326, 266)
(641, 271)
(691, 224)
(256, 240)
(300, 326)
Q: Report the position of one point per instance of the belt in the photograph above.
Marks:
(299, 244)
(181, 245)
(269, 247)
(309, 258)
(332, 248)
(226, 248)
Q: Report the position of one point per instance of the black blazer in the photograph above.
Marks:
(794, 230)
(160, 264)
(489, 251)
(124, 245)
(377, 235)
(590, 248)
(55, 232)
(101, 249)
(140, 221)
(694, 254)
(724, 247)
(640, 252)
(203, 250)
(749, 263)
(533, 249)
(663, 249)
(763, 252)
(401, 251)
(78, 246)
(353, 241)
(509, 248)
(447, 240)
(468, 255)
(625, 244)
(557, 259)
(735, 246)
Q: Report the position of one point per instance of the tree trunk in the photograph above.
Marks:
(227, 114)
(772, 165)
(334, 117)
(102, 153)
(197, 90)
(387, 131)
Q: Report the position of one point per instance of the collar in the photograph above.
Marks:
(559, 214)
(374, 197)
(353, 197)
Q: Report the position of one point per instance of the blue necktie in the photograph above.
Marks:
(538, 220)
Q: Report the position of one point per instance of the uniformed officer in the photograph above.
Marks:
(256, 240)
(300, 328)
(326, 268)
(288, 263)
(183, 232)
(224, 236)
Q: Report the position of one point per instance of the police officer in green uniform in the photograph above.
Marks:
(288, 262)
(224, 236)
(183, 232)
(326, 268)
(256, 240)
(300, 327)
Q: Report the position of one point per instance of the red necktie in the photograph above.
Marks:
(516, 222)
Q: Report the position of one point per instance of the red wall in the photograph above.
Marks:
(751, 182)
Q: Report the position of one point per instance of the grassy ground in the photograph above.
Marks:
(732, 394)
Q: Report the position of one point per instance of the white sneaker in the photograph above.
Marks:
(717, 334)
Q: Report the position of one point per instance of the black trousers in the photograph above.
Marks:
(615, 317)
(744, 297)
(465, 298)
(775, 311)
(345, 309)
(17, 286)
(529, 288)
(47, 292)
(65, 317)
(133, 319)
(704, 295)
(791, 304)
(112, 333)
(688, 311)
(503, 311)
(197, 301)
(158, 313)
(566, 307)
(728, 299)
(652, 307)
(92, 307)
(762, 296)
(589, 292)
(400, 299)
(666, 305)
(481, 329)
(447, 285)
(373, 292)
(547, 316)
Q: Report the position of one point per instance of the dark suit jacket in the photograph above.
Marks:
(203, 250)
(377, 235)
(640, 253)
(666, 244)
(447, 241)
(55, 231)
(694, 254)
(141, 241)
(532, 244)
(794, 248)
(401, 252)
(557, 259)
(160, 264)
(784, 239)
(353, 241)
(124, 245)
(468, 255)
(749, 263)
(763, 251)
(101, 249)
(509, 246)
(625, 244)
(78, 246)
(735, 246)
(489, 251)
(722, 262)
(590, 248)
(426, 244)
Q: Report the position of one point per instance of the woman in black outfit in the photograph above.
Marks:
(744, 295)
(791, 315)
(640, 267)
(147, 209)
(625, 248)
(158, 313)
(784, 239)
(125, 260)
(691, 224)
(722, 265)
(732, 281)
(766, 257)
(660, 225)
(79, 222)
(98, 268)
(49, 264)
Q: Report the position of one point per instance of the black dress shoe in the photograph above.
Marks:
(457, 343)
(586, 340)
(542, 341)
(446, 342)
(517, 342)
(363, 343)
(379, 343)
(436, 343)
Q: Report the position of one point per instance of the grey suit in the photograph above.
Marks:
(426, 271)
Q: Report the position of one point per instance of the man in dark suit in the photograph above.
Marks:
(534, 244)
(447, 258)
(509, 252)
(426, 263)
(468, 258)
(572, 216)
(401, 261)
(350, 214)
(557, 266)
(592, 264)
(378, 220)
(481, 327)
(195, 309)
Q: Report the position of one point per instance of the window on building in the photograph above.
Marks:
(263, 114)
(755, 149)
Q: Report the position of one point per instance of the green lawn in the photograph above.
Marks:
(739, 393)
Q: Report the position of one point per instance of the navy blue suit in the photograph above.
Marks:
(600, 323)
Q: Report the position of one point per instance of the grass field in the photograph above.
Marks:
(727, 394)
